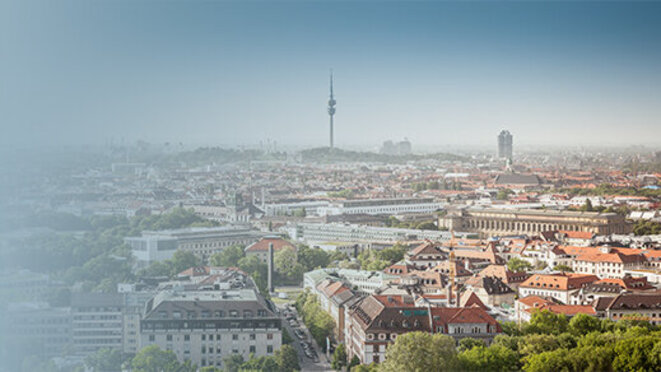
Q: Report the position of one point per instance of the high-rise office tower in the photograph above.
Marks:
(331, 109)
(505, 144)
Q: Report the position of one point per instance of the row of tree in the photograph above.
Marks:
(153, 359)
(97, 258)
(549, 342)
(319, 322)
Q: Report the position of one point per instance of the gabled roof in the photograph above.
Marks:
(558, 282)
(503, 273)
(635, 301)
(469, 299)
(426, 248)
(492, 285)
(262, 245)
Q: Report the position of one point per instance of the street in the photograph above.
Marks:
(307, 364)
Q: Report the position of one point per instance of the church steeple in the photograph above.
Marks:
(331, 109)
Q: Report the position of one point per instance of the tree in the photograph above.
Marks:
(537, 343)
(312, 258)
(153, 359)
(182, 260)
(287, 359)
(548, 323)
(503, 194)
(263, 364)
(516, 264)
(634, 354)
(373, 367)
(469, 343)
(420, 351)
(563, 268)
(426, 225)
(354, 362)
(106, 360)
(582, 324)
(228, 257)
(393, 254)
(339, 358)
(550, 361)
(592, 359)
(285, 263)
(587, 207)
(493, 358)
(233, 362)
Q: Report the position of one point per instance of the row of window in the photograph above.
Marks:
(205, 314)
(210, 337)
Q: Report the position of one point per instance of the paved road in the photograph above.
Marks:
(307, 364)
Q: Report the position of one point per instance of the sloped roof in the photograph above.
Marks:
(262, 245)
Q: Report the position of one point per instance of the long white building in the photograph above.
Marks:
(203, 241)
(315, 232)
(382, 206)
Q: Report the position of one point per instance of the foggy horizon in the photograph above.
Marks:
(230, 74)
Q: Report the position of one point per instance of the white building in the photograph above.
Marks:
(382, 206)
(207, 326)
(203, 241)
(360, 280)
(329, 232)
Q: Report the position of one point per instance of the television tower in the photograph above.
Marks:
(331, 108)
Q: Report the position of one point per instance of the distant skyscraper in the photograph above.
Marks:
(505, 144)
(331, 109)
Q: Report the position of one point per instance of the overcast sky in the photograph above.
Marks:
(229, 73)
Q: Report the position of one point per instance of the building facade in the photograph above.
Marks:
(501, 222)
(207, 326)
(202, 241)
(382, 206)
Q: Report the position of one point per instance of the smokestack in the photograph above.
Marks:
(270, 268)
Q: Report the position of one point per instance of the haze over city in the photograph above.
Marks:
(350, 186)
(235, 73)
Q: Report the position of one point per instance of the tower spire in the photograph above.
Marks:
(331, 108)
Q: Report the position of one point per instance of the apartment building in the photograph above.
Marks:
(377, 320)
(97, 321)
(557, 286)
(207, 326)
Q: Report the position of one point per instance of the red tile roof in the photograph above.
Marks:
(263, 245)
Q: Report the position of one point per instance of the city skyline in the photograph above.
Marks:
(234, 74)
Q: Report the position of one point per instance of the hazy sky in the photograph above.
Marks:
(236, 73)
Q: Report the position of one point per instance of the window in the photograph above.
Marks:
(269, 349)
(252, 336)
(269, 336)
(186, 337)
(235, 337)
(152, 338)
(168, 337)
(252, 348)
(204, 337)
(218, 337)
(204, 349)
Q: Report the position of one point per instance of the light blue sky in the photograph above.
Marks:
(236, 73)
